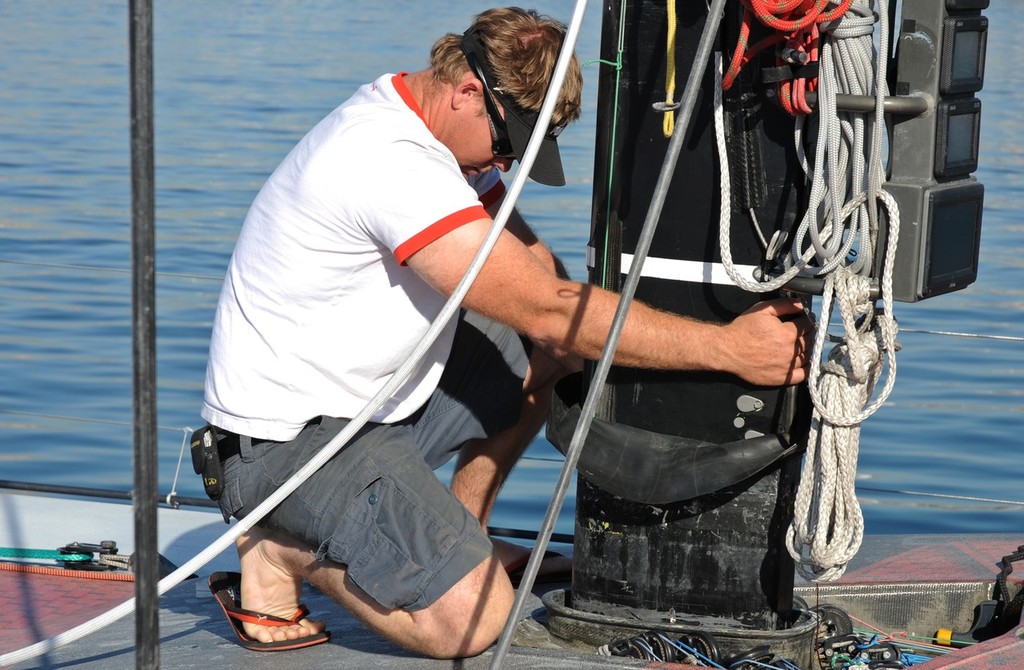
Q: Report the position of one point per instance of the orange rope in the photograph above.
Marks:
(795, 23)
(789, 16)
(64, 572)
(793, 93)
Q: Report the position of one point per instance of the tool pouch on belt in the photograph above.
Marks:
(206, 460)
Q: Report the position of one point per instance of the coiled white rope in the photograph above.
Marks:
(828, 526)
(835, 240)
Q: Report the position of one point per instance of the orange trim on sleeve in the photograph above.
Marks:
(437, 230)
(493, 194)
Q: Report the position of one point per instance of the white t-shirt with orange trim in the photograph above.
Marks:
(318, 309)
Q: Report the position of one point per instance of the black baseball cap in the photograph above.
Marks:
(519, 122)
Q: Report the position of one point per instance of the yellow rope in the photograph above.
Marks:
(670, 71)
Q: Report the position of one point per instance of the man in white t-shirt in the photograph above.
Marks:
(346, 256)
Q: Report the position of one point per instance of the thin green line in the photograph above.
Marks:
(611, 153)
(48, 554)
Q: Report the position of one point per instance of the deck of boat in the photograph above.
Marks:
(932, 581)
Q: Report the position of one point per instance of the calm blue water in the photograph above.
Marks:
(236, 85)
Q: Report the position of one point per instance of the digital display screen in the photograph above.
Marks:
(938, 239)
(954, 237)
(966, 53)
(961, 145)
(957, 137)
(963, 54)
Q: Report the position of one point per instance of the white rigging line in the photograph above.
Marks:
(828, 525)
(947, 496)
(835, 240)
(100, 268)
(397, 380)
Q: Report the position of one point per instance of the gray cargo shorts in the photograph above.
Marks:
(377, 507)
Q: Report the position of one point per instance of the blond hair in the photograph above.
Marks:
(522, 48)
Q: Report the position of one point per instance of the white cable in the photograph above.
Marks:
(357, 422)
(173, 493)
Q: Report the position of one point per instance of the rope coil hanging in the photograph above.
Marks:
(835, 240)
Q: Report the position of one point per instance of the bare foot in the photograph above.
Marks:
(509, 553)
(269, 586)
(515, 556)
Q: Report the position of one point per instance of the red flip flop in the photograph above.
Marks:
(226, 588)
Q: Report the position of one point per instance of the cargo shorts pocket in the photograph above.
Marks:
(230, 501)
(395, 538)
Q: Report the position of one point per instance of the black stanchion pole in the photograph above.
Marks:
(146, 564)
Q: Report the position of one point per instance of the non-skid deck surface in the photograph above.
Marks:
(195, 634)
(34, 607)
(923, 559)
(193, 630)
